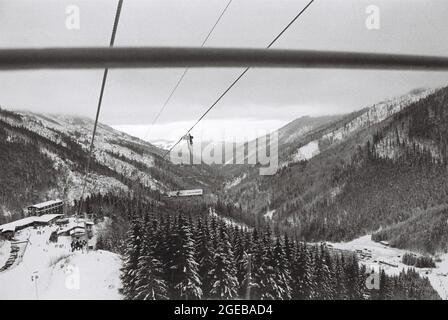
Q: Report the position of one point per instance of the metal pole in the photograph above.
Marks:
(171, 57)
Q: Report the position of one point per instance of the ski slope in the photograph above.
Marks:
(51, 271)
(375, 255)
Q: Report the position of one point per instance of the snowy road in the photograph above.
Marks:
(376, 255)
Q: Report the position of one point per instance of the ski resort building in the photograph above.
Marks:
(185, 193)
(76, 228)
(48, 207)
(8, 230)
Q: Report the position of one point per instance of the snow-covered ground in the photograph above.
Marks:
(307, 151)
(234, 182)
(269, 214)
(60, 273)
(375, 255)
(229, 221)
(98, 277)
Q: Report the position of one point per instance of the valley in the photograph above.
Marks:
(352, 181)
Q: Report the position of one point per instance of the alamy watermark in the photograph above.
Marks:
(73, 18)
(373, 280)
(373, 20)
(230, 150)
(73, 277)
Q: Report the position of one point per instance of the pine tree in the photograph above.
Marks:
(165, 252)
(241, 245)
(204, 255)
(329, 270)
(386, 287)
(130, 265)
(302, 273)
(185, 270)
(362, 288)
(339, 282)
(255, 267)
(270, 289)
(225, 283)
(282, 273)
(321, 275)
(354, 284)
(149, 283)
(248, 286)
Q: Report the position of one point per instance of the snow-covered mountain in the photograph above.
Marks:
(370, 116)
(378, 167)
(306, 137)
(58, 146)
(163, 144)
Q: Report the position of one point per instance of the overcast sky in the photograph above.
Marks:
(265, 97)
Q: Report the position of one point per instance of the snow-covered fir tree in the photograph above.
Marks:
(224, 281)
(163, 259)
(131, 257)
(204, 254)
(187, 283)
(149, 284)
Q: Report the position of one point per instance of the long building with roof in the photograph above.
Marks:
(8, 230)
(47, 207)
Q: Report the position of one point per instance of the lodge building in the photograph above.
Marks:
(8, 230)
(48, 207)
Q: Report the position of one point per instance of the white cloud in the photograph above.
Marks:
(208, 130)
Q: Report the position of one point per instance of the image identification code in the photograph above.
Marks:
(228, 309)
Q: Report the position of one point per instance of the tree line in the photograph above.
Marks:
(198, 257)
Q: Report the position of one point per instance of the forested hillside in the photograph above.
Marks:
(399, 179)
(44, 157)
(179, 251)
(387, 173)
(22, 168)
(185, 257)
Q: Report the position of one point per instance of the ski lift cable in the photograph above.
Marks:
(100, 100)
(181, 78)
(239, 77)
